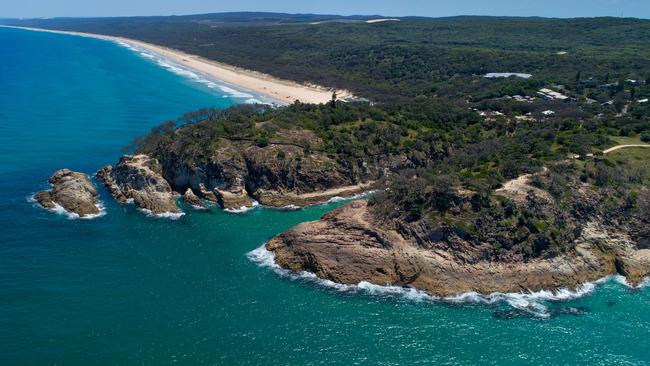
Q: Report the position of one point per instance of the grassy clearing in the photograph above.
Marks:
(625, 140)
(632, 158)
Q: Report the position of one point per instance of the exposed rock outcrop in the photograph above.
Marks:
(233, 198)
(193, 200)
(71, 190)
(349, 246)
(138, 178)
(239, 172)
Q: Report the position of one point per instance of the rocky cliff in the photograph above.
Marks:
(137, 178)
(348, 246)
(524, 239)
(276, 175)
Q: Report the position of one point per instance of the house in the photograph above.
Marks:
(641, 101)
(548, 113)
(490, 116)
(551, 94)
(526, 118)
(492, 75)
(520, 98)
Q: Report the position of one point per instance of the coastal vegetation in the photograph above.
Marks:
(439, 163)
(493, 169)
(396, 61)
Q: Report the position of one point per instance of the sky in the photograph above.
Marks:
(432, 8)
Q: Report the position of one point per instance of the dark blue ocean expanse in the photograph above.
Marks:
(129, 289)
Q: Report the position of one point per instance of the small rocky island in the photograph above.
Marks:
(72, 191)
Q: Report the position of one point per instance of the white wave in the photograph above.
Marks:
(163, 215)
(127, 45)
(59, 210)
(350, 198)
(235, 93)
(102, 212)
(199, 208)
(623, 281)
(529, 302)
(290, 208)
(195, 76)
(254, 101)
(242, 209)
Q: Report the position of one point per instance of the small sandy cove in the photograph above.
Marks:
(281, 91)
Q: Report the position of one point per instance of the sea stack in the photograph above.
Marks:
(71, 190)
(193, 200)
(137, 178)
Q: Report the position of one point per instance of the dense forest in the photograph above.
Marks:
(446, 161)
(389, 61)
(461, 134)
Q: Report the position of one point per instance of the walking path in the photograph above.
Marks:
(612, 149)
(623, 147)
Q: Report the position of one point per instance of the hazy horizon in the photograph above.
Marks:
(510, 8)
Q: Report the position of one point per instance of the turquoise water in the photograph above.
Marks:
(129, 289)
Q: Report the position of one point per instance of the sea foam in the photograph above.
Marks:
(59, 210)
(623, 281)
(195, 75)
(163, 215)
(532, 303)
(357, 196)
(242, 209)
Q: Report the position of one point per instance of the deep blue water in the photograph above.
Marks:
(130, 289)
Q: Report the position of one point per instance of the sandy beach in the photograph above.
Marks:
(278, 90)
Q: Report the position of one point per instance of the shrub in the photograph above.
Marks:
(645, 137)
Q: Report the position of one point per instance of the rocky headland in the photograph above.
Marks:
(445, 256)
(72, 191)
(236, 176)
(443, 221)
(237, 173)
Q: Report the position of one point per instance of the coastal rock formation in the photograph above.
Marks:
(348, 246)
(138, 178)
(193, 200)
(278, 175)
(281, 198)
(71, 190)
(233, 199)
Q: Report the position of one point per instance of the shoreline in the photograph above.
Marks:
(530, 302)
(278, 90)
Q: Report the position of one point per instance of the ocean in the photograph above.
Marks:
(126, 289)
